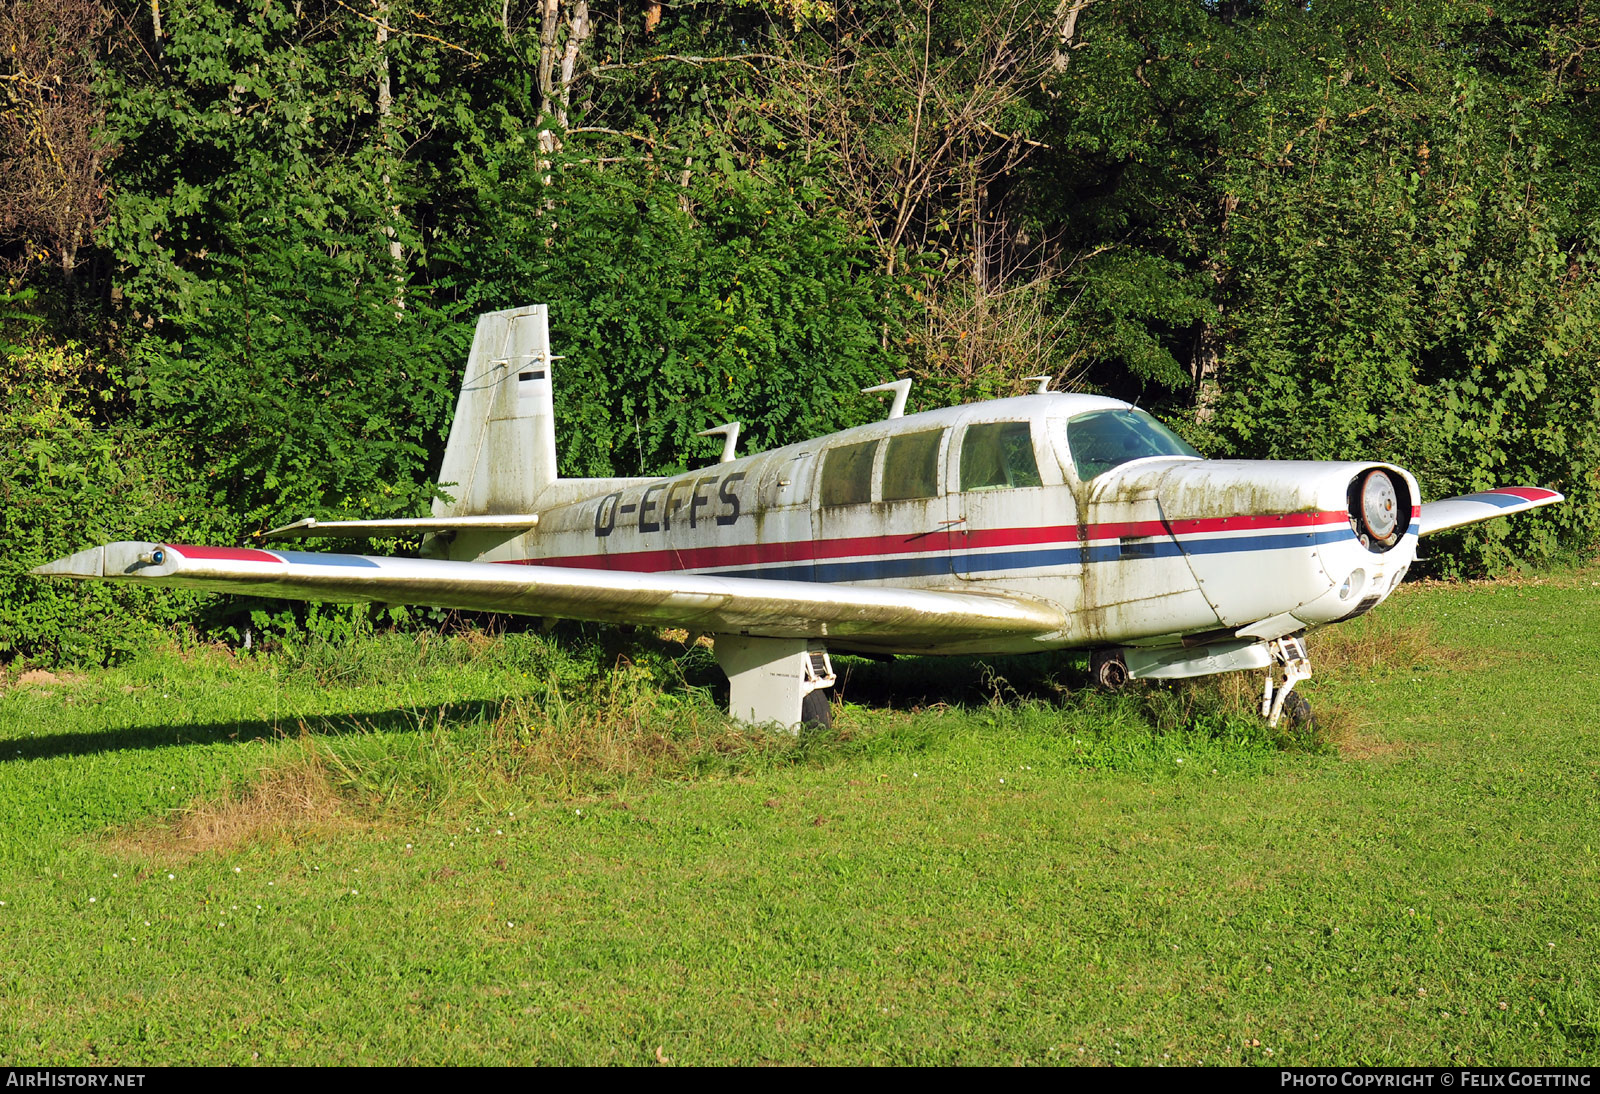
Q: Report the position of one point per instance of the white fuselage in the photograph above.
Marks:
(1149, 552)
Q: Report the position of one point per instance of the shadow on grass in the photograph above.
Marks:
(400, 720)
(911, 683)
(906, 683)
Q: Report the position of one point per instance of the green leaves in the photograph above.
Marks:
(1414, 293)
(680, 307)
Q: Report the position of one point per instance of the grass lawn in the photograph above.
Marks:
(499, 852)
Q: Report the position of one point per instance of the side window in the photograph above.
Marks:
(998, 455)
(911, 466)
(847, 474)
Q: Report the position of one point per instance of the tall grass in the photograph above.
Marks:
(586, 713)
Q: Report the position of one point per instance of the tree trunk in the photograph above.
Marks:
(577, 33)
(1067, 12)
(1203, 372)
(549, 28)
(980, 240)
(385, 110)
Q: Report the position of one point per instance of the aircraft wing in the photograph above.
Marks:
(1437, 516)
(900, 618)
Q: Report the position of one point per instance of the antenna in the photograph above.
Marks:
(901, 389)
(1042, 381)
(730, 432)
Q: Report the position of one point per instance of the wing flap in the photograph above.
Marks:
(1437, 516)
(905, 618)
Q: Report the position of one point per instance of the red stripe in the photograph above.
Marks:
(1248, 523)
(228, 554)
(944, 542)
(1526, 493)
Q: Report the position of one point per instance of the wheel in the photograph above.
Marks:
(815, 710)
(1297, 711)
(1108, 670)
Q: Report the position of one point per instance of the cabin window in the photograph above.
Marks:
(1103, 439)
(847, 474)
(997, 456)
(911, 466)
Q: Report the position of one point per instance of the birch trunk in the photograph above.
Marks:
(549, 28)
(578, 29)
(385, 110)
(1067, 12)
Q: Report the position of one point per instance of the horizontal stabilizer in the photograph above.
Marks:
(312, 528)
(1437, 516)
(879, 617)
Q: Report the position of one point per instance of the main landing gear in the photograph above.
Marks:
(776, 680)
(1108, 670)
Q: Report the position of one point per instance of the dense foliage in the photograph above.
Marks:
(246, 243)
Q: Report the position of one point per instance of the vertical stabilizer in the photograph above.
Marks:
(501, 453)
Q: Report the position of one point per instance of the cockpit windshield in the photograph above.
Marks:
(1103, 439)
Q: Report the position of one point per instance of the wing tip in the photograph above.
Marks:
(83, 564)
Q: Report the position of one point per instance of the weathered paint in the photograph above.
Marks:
(1146, 553)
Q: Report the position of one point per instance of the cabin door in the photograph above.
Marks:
(1003, 515)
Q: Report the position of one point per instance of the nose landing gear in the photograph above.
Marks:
(1289, 655)
(1285, 657)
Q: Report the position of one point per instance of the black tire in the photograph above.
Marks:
(815, 710)
(1297, 711)
(1108, 670)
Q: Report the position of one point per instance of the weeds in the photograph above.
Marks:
(1381, 644)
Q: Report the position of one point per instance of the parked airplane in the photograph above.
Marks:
(1043, 522)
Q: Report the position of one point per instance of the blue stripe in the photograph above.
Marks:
(1265, 543)
(880, 569)
(1500, 501)
(317, 558)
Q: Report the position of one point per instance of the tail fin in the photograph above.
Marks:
(501, 453)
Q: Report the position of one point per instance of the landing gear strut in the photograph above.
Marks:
(1289, 656)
